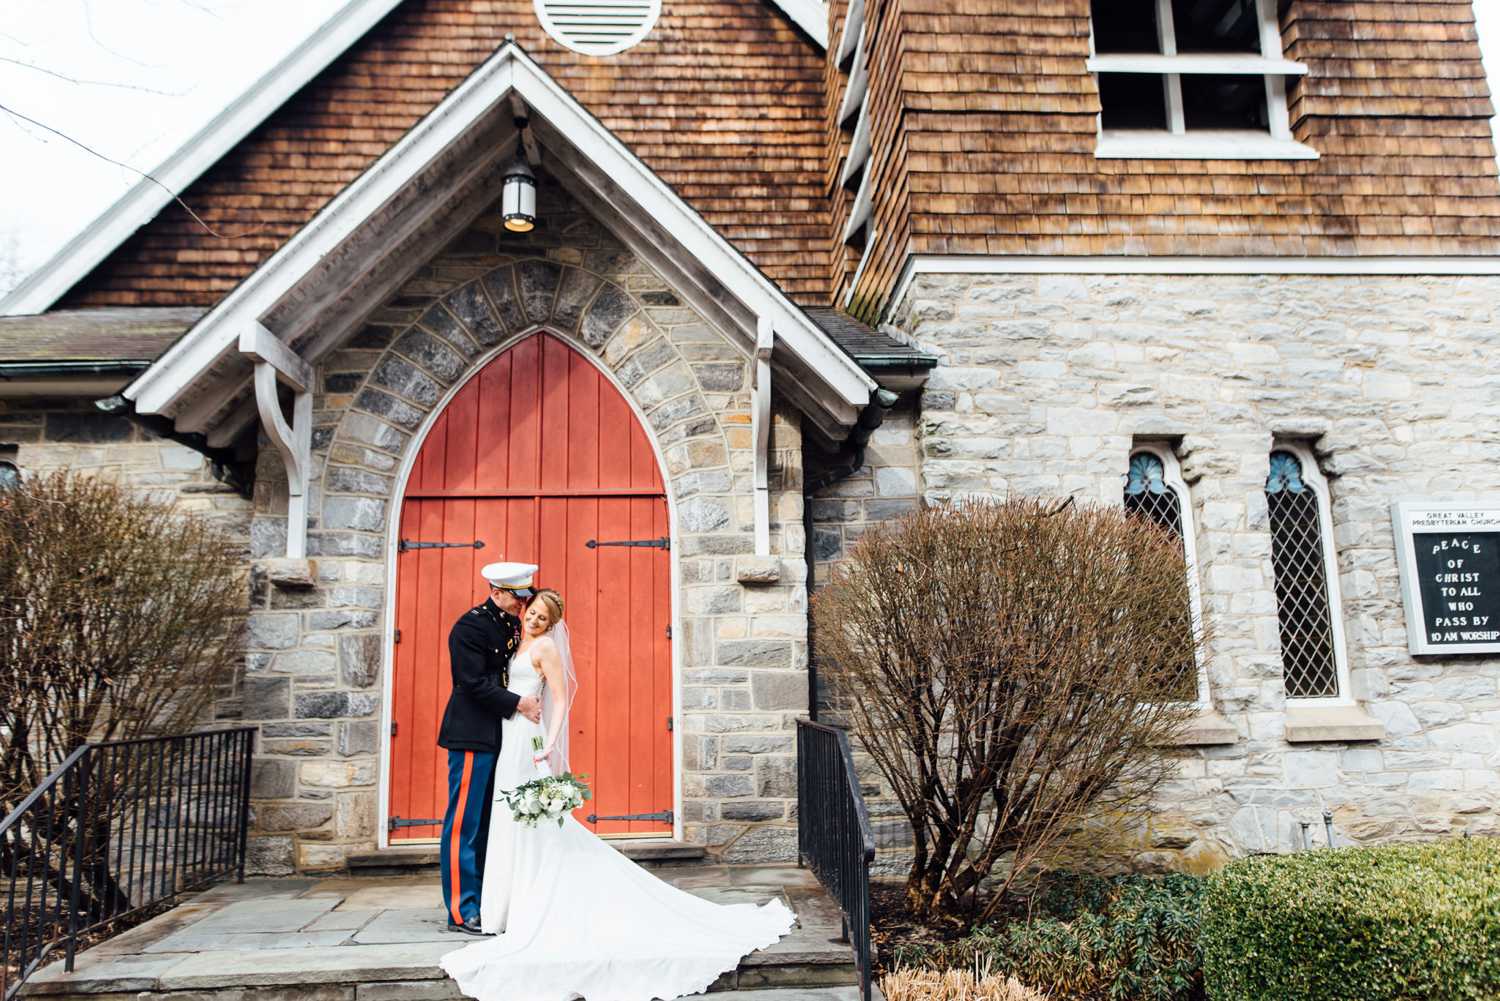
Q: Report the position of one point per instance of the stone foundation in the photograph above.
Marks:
(41, 436)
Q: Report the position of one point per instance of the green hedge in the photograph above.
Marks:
(1394, 923)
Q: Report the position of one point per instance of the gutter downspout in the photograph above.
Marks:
(851, 457)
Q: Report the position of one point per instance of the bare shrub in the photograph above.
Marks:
(1009, 668)
(118, 619)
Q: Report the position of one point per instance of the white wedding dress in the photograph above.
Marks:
(577, 919)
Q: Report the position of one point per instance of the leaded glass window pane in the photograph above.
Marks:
(1297, 563)
(1148, 496)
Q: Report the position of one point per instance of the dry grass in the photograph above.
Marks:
(954, 985)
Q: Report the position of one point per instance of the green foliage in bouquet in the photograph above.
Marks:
(550, 797)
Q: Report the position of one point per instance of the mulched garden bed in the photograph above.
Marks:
(893, 925)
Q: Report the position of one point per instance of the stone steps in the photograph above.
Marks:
(650, 852)
(407, 972)
(380, 939)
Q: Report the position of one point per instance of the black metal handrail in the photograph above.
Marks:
(834, 837)
(119, 827)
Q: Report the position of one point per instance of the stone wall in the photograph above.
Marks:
(1046, 382)
(313, 674)
(41, 435)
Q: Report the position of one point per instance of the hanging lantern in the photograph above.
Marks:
(518, 197)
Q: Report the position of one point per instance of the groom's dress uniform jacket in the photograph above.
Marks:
(480, 647)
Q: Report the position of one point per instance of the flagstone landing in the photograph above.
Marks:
(378, 938)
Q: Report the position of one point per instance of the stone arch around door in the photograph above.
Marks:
(317, 668)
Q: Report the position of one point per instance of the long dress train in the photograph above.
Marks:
(577, 919)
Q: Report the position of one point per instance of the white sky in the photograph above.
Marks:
(156, 71)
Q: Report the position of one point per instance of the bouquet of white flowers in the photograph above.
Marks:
(550, 797)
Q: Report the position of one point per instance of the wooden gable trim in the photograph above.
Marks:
(168, 383)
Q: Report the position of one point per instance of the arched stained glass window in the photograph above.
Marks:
(1154, 490)
(1147, 493)
(1300, 561)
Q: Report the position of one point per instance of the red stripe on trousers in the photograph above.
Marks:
(455, 871)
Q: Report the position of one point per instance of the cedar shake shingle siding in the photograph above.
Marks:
(723, 99)
(996, 155)
(983, 129)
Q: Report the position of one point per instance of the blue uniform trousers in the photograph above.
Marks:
(466, 830)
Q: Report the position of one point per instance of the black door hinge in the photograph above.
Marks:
(669, 724)
(393, 728)
(406, 544)
(398, 636)
(396, 823)
(663, 817)
(662, 543)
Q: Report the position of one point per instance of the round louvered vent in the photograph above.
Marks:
(598, 27)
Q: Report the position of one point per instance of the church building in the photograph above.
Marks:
(675, 298)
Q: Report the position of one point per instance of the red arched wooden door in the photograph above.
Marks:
(537, 456)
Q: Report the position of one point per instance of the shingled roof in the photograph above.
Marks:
(983, 130)
(723, 100)
(93, 335)
(873, 349)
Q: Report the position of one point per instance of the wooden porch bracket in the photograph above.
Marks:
(760, 427)
(275, 362)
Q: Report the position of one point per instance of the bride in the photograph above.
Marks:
(574, 917)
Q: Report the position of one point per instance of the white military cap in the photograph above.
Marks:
(514, 577)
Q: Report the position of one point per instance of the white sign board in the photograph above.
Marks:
(1449, 556)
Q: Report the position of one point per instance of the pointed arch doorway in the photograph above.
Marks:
(540, 458)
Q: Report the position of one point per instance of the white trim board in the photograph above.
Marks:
(161, 388)
(809, 15)
(138, 206)
(992, 264)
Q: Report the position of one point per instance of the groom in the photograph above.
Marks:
(480, 646)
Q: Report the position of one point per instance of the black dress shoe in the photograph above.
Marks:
(469, 927)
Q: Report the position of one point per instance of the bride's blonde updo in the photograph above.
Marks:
(554, 603)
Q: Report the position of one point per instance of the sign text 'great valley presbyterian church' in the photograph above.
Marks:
(1449, 554)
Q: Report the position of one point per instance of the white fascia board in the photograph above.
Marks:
(984, 264)
(165, 381)
(509, 69)
(794, 329)
(809, 15)
(859, 212)
(859, 147)
(138, 206)
(854, 26)
(854, 91)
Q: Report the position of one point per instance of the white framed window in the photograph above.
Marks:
(1304, 567)
(1192, 79)
(1156, 491)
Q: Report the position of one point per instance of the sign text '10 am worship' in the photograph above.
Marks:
(1449, 554)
